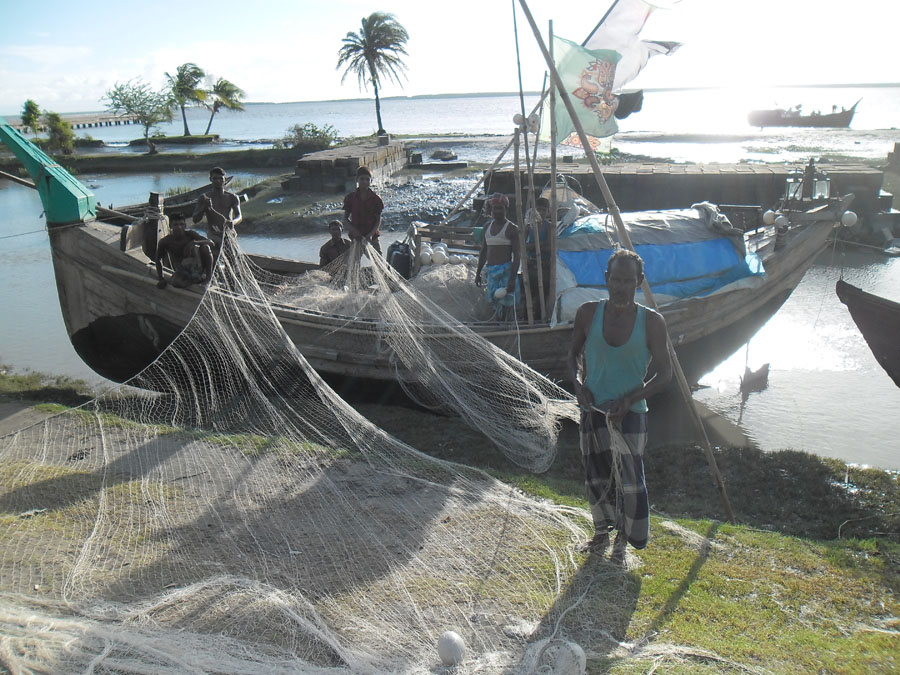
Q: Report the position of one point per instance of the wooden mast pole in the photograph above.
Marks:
(554, 202)
(613, 209)
(517, 175)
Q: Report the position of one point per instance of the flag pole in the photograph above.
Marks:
(517, 175)
(613, 209)
(554, 202)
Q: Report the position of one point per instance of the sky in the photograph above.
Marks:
(65, 55)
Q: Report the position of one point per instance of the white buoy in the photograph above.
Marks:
(451, 648)
(848, 219)
(769, 217)
(454, 259)
(500, 293)
(518, 120)
(782, 221)
(439, 257)
(425, 256)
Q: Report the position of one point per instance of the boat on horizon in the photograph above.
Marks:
(794, 117)
(119, 322)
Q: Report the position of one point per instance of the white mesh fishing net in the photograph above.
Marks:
(226, 511)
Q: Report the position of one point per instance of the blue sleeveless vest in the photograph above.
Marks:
(611, 372)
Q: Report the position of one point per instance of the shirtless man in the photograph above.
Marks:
(189, 252)
(221, 208)
(617, 340)
(500, 252)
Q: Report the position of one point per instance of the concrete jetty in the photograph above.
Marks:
(651, 186)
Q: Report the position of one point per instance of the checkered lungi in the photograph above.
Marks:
(614, 475)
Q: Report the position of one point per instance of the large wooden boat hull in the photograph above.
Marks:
(878, 319)
(119, 321)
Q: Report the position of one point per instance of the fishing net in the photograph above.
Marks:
(416, 333)
(226, 511)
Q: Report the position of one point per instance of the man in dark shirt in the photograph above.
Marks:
(362, 210)
(333, 248)
(190, 254)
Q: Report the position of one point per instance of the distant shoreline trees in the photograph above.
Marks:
(31, 116)
(140, 100)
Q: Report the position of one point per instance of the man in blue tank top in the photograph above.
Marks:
(615, 341)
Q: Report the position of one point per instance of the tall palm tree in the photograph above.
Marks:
(224, 94)
(374, 52)
(185, 88)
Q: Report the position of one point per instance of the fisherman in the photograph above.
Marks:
(500, 252)
(616, 340)
(221, 208)
(362, 210)
(335, 247)
(190, 255)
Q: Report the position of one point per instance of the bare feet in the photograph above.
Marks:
(598, 544)
(618, 553)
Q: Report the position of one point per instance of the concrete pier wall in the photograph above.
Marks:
(644, 187)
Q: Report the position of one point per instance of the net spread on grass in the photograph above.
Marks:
(226, 511)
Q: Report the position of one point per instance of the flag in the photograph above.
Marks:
(619, 31)
(616, 38)
(587, 75)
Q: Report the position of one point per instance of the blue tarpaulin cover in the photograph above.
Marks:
(682, 269)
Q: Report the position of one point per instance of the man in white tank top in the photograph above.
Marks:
(500, 252)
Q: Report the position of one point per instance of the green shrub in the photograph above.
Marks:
(308, 137)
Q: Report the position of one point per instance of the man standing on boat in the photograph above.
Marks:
(500, 252)
(362, 210)
(221, 208)
(617, 340)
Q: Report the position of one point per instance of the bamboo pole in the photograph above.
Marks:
(16, 179)
(523, 264)
(554, 202)
(613, 209)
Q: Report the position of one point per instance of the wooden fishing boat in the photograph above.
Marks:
(793, 117)
(118, 321)
(878, 319)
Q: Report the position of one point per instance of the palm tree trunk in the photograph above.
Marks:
(215, 109)
(381, 131)
(187, 132)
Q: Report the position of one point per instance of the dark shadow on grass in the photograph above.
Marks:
(686, 583)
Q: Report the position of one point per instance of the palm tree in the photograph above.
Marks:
(185, 89)
(225, 94)
(373, 52)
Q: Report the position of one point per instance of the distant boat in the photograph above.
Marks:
(878, 319)
(794, 118)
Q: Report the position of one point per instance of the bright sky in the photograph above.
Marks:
(66, 54)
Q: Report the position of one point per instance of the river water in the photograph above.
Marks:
(826, 393)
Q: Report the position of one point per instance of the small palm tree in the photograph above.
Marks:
(185, 89)
(373, 52)
(224, 94)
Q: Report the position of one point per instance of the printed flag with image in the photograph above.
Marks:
(595, 73)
